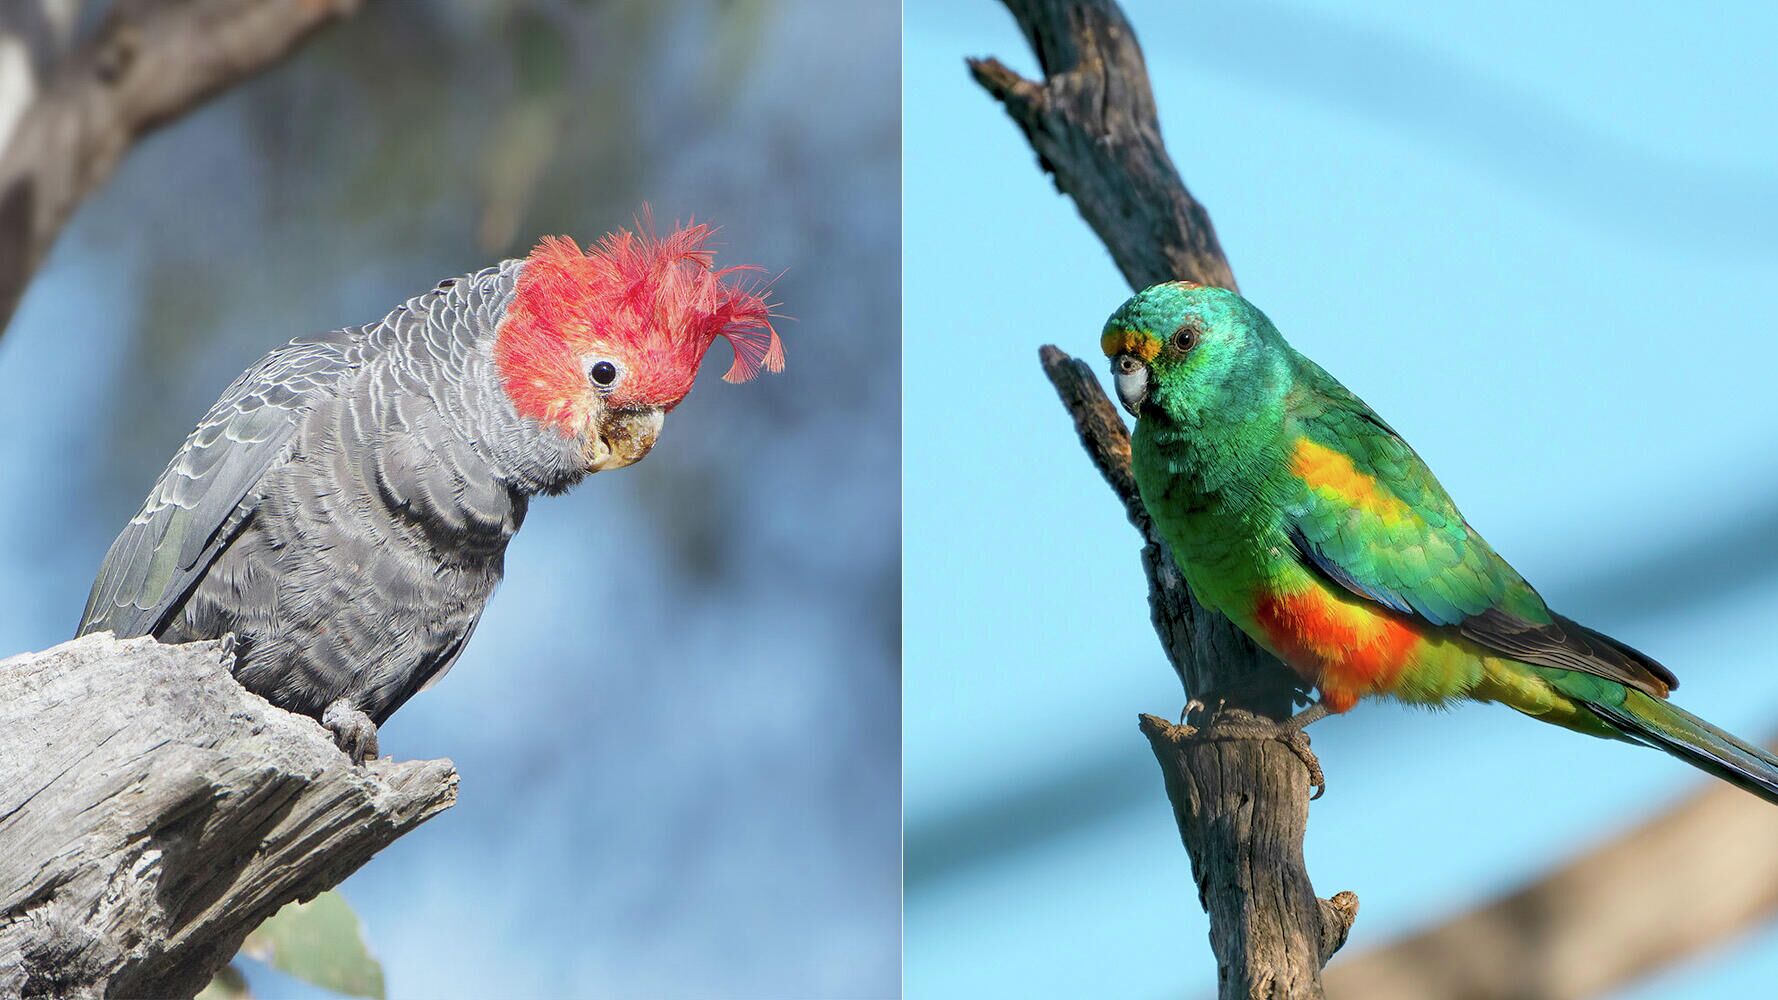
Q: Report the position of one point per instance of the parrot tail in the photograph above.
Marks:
(1660, 724)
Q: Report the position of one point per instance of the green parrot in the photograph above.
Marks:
(1295, 511)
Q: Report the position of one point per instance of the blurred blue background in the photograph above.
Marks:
(1542, 240)
(678, 724)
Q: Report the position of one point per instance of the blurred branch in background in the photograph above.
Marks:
(1678, 884)
(1241, 805)
(1712, 563)
(71, 106)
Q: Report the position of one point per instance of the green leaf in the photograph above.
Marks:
(320, 942)
(228, 984)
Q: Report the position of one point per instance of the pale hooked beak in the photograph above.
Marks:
(622, 438)
(1130, 376)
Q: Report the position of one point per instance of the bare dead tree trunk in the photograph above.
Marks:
(153, 812)
(69, 112)
(1241, 804)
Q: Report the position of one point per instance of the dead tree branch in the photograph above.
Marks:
(1092, 122)
(153, 812)
(68, 118)
(1242, 805)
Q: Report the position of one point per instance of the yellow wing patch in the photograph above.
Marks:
(1332, 474)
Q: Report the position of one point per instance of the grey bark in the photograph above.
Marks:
(1092, 123)
(67, 120)
(153, 812)
(1241, 804)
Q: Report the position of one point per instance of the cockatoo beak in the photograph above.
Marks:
(622, 437)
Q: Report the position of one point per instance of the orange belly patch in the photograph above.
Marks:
(1348, 650)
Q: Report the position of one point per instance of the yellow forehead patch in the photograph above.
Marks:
(1138, 342)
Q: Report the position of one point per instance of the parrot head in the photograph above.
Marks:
(597, 346)
(1181, 351)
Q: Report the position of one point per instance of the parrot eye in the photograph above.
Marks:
(1186, 337)
(603, 373)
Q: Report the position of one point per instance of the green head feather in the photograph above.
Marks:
(1189, 352)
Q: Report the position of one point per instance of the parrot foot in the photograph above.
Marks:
(353, 732)
(1314, 713)
(1246, 726)
(1298, 742)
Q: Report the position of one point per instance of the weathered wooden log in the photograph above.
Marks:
(153, 812)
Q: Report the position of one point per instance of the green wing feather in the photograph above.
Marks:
(1662, 724)
(1407, 547)
(1412, 551)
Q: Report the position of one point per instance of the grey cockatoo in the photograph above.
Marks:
(344, 509)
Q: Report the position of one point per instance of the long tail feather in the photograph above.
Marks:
(1684, 735)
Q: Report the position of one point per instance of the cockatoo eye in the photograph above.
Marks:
(603, 373)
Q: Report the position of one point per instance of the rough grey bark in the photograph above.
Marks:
(70, 110)
(1241, 803)
(153, 812)
(1092, 122)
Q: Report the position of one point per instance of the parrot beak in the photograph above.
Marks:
(622, 438)
(1130, 376)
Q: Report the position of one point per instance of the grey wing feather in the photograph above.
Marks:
(1566, 644)
(205, 494)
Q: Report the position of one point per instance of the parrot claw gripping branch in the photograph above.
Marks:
(344, 509)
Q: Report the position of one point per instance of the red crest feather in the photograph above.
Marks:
(651, 304)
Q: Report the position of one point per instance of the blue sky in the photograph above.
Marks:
(1542, 243)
